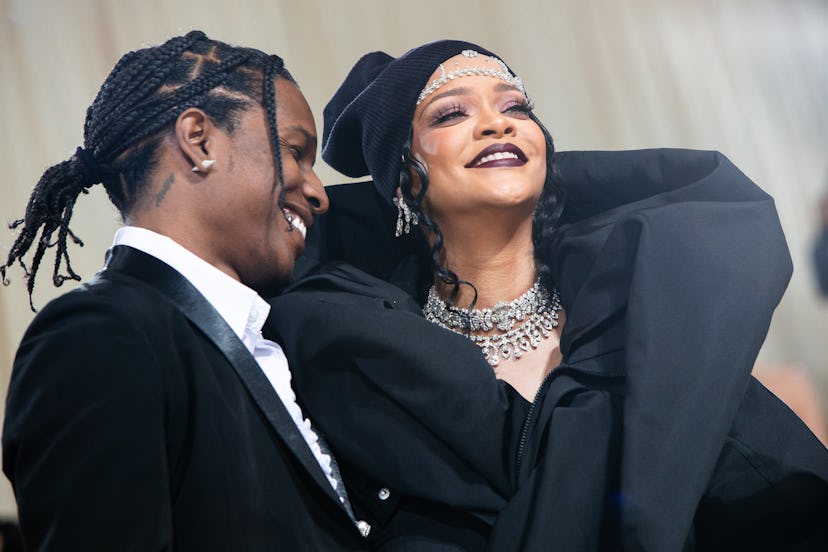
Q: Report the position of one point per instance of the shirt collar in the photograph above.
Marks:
(240, 306)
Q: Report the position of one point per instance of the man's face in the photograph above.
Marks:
(250, 236)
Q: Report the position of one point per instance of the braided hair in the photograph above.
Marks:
(545, 221)
(137, 104)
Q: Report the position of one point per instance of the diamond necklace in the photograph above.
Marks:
(535, 310)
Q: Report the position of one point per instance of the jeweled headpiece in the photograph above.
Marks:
(490, 67)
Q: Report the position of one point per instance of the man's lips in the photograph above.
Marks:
(499, 155)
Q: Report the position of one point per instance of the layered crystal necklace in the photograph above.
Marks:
(521, 324)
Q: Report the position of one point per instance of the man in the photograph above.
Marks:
(145, 410)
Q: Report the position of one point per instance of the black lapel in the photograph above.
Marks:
(201, 313)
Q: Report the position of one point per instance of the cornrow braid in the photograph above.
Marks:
(136, 105)
(166, 111)
(149, 74)
(275, 67)
(152, 73)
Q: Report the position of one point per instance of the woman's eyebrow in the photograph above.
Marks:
(459, 91)
(504, 87)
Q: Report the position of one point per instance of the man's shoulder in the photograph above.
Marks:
(107, 323)
(109, 302)
(118, 291)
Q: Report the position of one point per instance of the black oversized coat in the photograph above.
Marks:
(650, 435)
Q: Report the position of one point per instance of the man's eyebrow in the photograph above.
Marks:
(309, 136)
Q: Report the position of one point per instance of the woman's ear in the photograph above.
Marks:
(194, 133)
(415, 178)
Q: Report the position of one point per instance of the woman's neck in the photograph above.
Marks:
(498, 261)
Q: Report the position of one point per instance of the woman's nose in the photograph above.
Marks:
(493, 124)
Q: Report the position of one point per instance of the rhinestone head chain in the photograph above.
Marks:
(490, 67)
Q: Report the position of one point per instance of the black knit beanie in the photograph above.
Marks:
(368, 119)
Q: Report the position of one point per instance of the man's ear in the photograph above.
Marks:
(195, 135)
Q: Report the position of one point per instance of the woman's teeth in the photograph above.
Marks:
(496, 156)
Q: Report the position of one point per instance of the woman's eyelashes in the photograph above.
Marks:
(522, 107)
(450, 112)
(447, 113)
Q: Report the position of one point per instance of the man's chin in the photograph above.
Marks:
(272, 286)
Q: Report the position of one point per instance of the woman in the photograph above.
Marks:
(629, 420)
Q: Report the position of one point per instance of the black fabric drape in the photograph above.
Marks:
(669, 264)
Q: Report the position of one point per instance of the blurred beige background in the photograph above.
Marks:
(746, 77)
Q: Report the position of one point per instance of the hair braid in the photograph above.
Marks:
(154, 72)
(141, 98)
(168, 110)
(150, 73)
(50, 208)
(62, 252)
(274, 68)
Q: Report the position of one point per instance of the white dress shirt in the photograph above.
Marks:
(243, 310)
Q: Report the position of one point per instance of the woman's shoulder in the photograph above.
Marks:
(341, 282)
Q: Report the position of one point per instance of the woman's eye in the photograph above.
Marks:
(296, 152)
(447, 114)
(519, 108)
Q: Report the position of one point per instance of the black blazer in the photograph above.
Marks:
(137, 420)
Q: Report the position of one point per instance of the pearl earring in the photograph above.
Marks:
(206, 164)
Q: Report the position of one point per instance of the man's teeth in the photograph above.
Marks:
(297, 223)
(496, 156)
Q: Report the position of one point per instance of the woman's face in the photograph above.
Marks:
(481, 149)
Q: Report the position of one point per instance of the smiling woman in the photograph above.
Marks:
(451, 374)
(483, 160)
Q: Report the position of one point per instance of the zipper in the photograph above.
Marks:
(524, 432)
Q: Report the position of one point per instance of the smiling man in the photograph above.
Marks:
(145, 410)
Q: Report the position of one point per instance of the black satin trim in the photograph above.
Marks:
(192, 304)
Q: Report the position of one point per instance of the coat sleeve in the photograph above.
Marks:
(769, 490)
(83, 440)
(699, 270)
